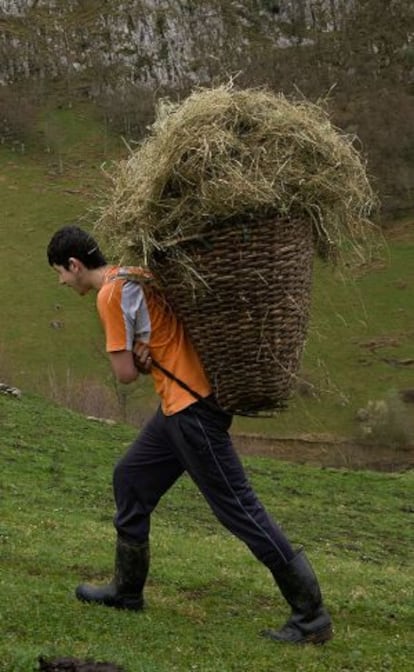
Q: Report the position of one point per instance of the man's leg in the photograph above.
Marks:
(147, 470)
(201, 439)
(141, 477)
(205, 448)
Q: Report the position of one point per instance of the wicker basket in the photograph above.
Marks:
(249, 323)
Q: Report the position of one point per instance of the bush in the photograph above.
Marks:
(129, 110)
(18, 112)
(386, 422)
(95, 399)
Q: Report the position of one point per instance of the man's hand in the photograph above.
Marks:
(142, 357)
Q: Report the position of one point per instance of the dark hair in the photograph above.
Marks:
(71, 241)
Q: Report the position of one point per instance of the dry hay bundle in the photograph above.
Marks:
(226, 200)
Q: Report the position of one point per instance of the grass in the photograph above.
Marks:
(207, 596)
(36, 200)
(50, 339)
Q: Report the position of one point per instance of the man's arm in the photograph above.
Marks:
(123, 366)
(128, 365)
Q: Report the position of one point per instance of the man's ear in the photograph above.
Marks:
(74, 265)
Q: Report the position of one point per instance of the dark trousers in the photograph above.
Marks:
(195, 440)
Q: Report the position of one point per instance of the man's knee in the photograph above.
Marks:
(120, 473)
(127, 483)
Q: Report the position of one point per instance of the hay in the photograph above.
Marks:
(227, 154)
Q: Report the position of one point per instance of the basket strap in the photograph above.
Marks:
(176, 380)
(214, 406)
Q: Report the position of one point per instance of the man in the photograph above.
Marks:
(189, 432)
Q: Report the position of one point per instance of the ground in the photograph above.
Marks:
(327, 451)
(76, 665)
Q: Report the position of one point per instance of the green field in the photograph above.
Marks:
(207, 597)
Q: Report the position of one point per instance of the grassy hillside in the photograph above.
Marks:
(40, 191)
(207, 596)
(361, 332)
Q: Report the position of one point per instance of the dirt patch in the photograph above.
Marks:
(402, 231)
(383, 341)
(76, 665)
(326, 451)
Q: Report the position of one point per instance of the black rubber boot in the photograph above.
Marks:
(309, 621)
(126, 588)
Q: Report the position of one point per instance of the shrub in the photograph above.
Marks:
(18, 111)
(128, 110)
(94, 398)
(386, 422)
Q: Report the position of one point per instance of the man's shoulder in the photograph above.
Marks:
(120, 276)
(137, 274)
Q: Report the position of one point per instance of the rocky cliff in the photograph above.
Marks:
(157, 41)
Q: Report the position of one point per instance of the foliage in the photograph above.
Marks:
(18, 115)
(387, 422)
(128, 111)
(207, 597)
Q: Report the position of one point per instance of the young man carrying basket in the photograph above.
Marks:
(189, 432)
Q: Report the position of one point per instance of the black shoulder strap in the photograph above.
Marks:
(180, 382)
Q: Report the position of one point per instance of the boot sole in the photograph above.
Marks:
(130, 604)
(317, 638)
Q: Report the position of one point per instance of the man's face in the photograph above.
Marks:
(74, 276)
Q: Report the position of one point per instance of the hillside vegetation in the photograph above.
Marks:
(207, 597)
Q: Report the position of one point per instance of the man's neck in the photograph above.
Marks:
(97, 276)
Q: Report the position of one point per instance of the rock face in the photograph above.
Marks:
(150, 41)
(167, 42)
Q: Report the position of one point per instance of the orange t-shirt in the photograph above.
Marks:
(133, 311)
